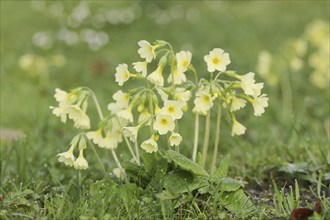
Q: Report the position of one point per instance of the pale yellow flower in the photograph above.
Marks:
(61, 112)
(126, 114)
(131, 132)
(147, 51)
(121, 98)
(183, 59)
(156, 77)
(175, 139)
(141, 67)
(150, 145)
(80, 118)
(163, 94)
(259, 104)
(122, 74)
(247, 83)
(144, 117)
(182, 95)
(164, 123)
(119, 173)
(67, 157)
(217, 59)
(109, 141)
(178, 76)
(95, 136)
(172, 108)
(257, 88)
(81, 163)
(203, 103)
(238, 128)
(237, 103)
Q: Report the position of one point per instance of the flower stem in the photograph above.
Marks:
(114, 155)
(129, 145)
(206, 137)
(217, 139)
(97, 156)
(196, 137)
(137, 152)
(98, 108)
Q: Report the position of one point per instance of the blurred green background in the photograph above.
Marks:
(81, 43)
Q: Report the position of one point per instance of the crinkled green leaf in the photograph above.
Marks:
(222, 170)
(181, 181)
(185, 163)
(238, 203)
(230, 185)
(167, 195)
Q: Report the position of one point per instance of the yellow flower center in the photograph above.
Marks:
(184, 63)
(171, 109)
(206, 99)
(216, 60)
(163, 122)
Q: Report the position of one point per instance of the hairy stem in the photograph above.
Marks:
(206, 137)
(196, 137)
(98, 108)
(217, 140)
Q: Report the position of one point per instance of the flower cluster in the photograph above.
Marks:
(147, 115)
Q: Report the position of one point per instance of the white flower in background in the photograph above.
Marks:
(296, 64)
(119, 173)
(183, 59)
(182, 95)
(172, 108)
(67, 157)
(150, 145)
(175, 139)
(178, 76)
(264, 63)
(203, 103)
(81, 163)
(122, 74)
(131, 132)
(147, 51)
(217, 59)
(247, 83)
(237, 103)
(156, 77)
(95, 136)
(122, 99)
(238, 128)
(164, 123)
(126, 114)
(141, 67)
(259, 104)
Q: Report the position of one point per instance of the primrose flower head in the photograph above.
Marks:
(183, 59)
(178, 76)
(182, 95)
(95, 136)
(122, 99)
(259, 104)
(164, 123)
(126, 114)
(238, 128)
(141, 67)
(217, 59)
(150, 145)
(80, 118)
(147, 51)
(173, 108)
(156, 77)
(110, 141)
(81, 163)
(131, 132)
(247, 83)
(203, 103)
(61, 112)
(237, 103)
(67, 157)
(175, 139)
(122, 74)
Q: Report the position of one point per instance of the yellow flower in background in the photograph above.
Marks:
(122, 74)
(259, 104)
(67, 157)
(183, 59)
(164, 123)
(238, 128)
(237, 103)
(81, 163)
(156, 77)
(203, 103)
(141, 67)
(150, 145)
(217, 59)
(95, 136)
(175, 139)
(147, 51)
(172, 108)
